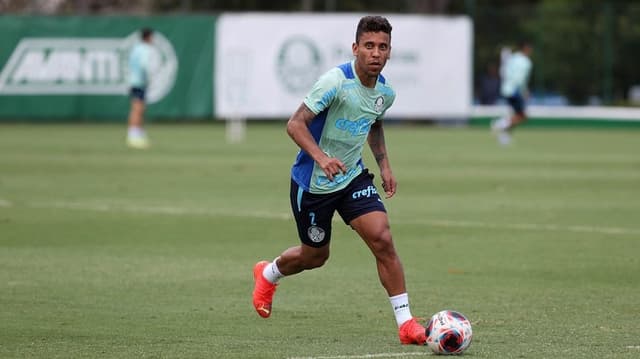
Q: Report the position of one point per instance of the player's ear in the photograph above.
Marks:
(354, 48)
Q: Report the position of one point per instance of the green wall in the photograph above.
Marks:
(68, 95)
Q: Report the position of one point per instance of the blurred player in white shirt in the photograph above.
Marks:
(139, 68)
(515, 77)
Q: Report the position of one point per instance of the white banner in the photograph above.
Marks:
(266, 63)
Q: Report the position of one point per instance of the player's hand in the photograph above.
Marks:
(389, 183)
(332, 167)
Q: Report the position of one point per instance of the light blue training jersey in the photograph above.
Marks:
(345, 110)
(516, 75)
(139, 65)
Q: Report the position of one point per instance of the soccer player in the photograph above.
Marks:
(344, 109)
(514, 89)
(138, 81)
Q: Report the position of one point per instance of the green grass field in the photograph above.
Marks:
(107, 252)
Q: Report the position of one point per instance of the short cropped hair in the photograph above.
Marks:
(146, 33)
(372, 24)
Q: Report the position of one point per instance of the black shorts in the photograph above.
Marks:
(137, 92)
(517, 103)
(314, 212)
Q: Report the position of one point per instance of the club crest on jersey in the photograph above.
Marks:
(378, 104)
(316, 234)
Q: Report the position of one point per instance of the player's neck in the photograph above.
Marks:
(365, 79)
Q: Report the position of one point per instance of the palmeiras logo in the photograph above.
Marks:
(298, 64)
(378, 105)
(85, 66)
(316, 234)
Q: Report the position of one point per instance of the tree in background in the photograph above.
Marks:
(588, 48)
(570, 47)
(497, 24)
(585, 50)
(626, 42)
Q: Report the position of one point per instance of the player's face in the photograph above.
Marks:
(372, 52)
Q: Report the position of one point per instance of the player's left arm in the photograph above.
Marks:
(379, 150)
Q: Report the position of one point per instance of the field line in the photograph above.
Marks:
(365, 356)
(104, 206)
(158, 209)
(526, 226)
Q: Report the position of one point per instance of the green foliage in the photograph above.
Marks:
(584, 49)
(627, 43)
(111, 253)
(570, 49)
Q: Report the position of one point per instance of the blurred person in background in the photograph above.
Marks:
(515, 79)
(139, 71)
(342, 111)
(489, 87)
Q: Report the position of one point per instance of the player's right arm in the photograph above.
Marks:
(298, 130)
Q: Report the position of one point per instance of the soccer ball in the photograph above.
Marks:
(449, 332)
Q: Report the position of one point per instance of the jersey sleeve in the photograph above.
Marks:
(389, 97)
(390, 102)
(324, 91)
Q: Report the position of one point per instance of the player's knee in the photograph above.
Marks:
(382, 244)
(316, 261)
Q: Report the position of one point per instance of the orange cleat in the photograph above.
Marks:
(411, 332)
(263, 291)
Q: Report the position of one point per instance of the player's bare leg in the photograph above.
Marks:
(516, 120)
(374, 229)
(292, 261)
(136, 137)
(299, 258)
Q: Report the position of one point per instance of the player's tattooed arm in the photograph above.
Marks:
(379, 150)
(380, 157)
(376, 142)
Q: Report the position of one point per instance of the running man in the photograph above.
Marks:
(139, 64)
(343, 110)
(515, 78)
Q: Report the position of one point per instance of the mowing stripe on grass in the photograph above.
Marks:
(176, 210)
(157, 209)
(535, 227)
(364, 356)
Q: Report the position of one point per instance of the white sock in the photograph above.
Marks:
(271, 272)
(400, 305)
(135, 132)
(503, 123)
